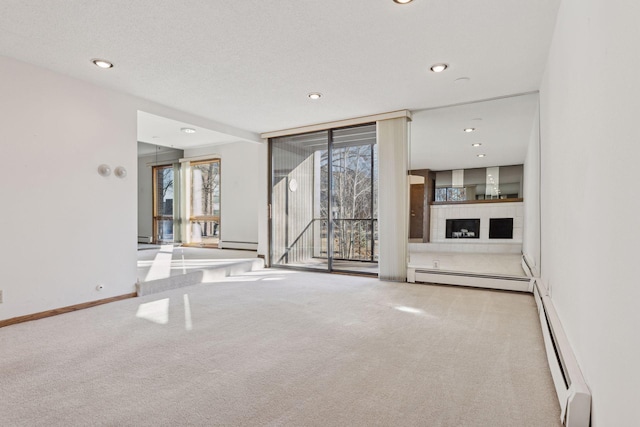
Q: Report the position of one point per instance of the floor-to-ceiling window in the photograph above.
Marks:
(204, 219)
(163, 198)
(324, 200)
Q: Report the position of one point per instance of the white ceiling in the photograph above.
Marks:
(503, 127)
(166, 132)
(251, 63)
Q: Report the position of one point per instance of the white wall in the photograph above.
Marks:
(531, 194)
(145, 187)
(240, 190)
(65, 228)
(590, 101)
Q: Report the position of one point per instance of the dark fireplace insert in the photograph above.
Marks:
(463, 228)
(501, 228)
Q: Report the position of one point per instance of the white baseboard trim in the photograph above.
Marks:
(572, 390)
(529, 266)
(525, 266)
(507, 283)
(228, 244)
(466, 247)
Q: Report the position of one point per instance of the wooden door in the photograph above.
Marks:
(417, 211)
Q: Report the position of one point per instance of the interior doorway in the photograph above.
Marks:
(416, 219)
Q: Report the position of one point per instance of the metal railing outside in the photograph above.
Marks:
(354, 239)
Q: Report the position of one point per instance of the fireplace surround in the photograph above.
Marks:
(482, 211)
(463, 228)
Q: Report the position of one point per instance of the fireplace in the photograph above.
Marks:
(463, 228)
(501, 228)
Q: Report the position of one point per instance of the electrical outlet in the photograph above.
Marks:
(436, 264)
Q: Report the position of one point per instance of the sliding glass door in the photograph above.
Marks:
(324, 200)
(354, 202)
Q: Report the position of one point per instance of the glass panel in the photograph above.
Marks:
(163, 199)
(164, 191)
(456, 194)
(354, 203)
(204, 224)
(164, 230)
(299, 201)
(376, 247)
(205, 233)
(205, 189)
(504, 182)
(353, 240)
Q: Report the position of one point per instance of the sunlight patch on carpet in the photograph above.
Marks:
(161, 267)
(155, 311)
(188, 324)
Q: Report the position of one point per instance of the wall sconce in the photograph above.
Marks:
(120, 172)
(104, 170)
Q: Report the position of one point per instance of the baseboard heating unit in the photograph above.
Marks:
(229, 244)
(489, 281)
(573, 394)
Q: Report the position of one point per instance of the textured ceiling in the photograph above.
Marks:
(251, 63)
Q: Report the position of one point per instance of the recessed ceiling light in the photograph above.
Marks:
(102, 63)
(438, 68)
(477, 144)
(188, 130)
(462, 80)
(481, 155)
(402, 1)
(315, 95)
(467, 130)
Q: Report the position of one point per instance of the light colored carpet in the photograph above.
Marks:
(284, 348)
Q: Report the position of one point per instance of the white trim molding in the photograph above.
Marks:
(338, 124)
(572, 390)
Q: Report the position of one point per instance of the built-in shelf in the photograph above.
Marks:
(468, 202)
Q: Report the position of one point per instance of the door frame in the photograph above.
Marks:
(330, 243)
